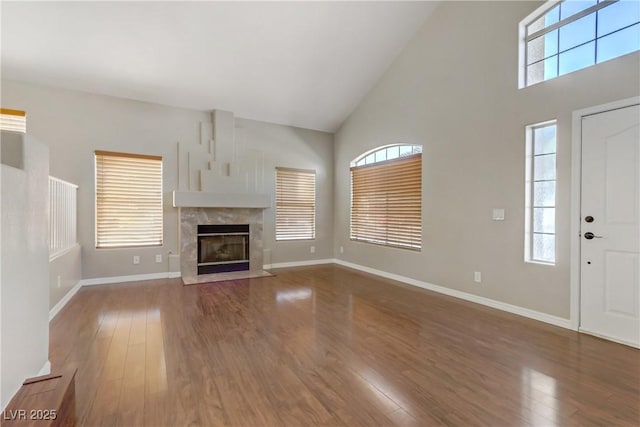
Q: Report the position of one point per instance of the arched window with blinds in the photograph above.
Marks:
(386, 196)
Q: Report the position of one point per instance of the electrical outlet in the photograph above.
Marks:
(312, 249)
(159, 258)
(341, 249)
(477, 277)
(59, 282)
(136, 259)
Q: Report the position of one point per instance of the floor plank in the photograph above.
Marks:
(329, 346)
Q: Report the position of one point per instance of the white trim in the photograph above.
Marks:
(299, 263)
(384, 147)
(521, 311)
(65, 299)
(529, 179)
(522, 42)
(576, 179)
(63, 181)
(202, 199)
(53, 256)
(132, 278)
(106, 280)
(608, 338)
(46, 369)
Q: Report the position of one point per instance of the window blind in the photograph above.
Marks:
(128, 200)
(13, 120)
(386, 202)
(295, 204)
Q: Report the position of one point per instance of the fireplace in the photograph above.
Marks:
(223, 248)
(193, 218)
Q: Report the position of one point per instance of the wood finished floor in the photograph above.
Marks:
(330, 346)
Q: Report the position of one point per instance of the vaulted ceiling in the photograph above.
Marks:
(305, 64)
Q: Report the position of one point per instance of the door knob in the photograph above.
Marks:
(589, 235)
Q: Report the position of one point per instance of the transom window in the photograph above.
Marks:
(386, 196)
(566, 36)
(388, 152)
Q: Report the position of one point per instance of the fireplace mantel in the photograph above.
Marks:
(202, 199)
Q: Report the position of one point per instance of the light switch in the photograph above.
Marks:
(498, 214)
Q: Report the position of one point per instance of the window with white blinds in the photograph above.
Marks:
(13, 120)
(386, 197)
(128, 200)
(295, 204)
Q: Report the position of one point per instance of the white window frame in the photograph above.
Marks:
(133, 210)
(296, 210)
(529, 194)
(538, 13)
(385, 155)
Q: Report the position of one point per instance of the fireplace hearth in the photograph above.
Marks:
(223, 248)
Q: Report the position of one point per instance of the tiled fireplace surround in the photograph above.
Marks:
(190, 218)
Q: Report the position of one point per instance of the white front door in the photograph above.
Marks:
(610, 225)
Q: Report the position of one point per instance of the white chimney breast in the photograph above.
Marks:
(223, 136)
(201, 199)
(220, 169)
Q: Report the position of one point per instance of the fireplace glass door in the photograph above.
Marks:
(223, 248)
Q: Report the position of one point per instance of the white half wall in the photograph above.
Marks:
(65, 271)
(24, 278)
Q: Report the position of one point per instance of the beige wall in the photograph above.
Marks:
(454, 90)
(296, 148)
(75, 124)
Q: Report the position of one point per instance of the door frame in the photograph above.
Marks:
(576, 193)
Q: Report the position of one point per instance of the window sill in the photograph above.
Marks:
(532, 261)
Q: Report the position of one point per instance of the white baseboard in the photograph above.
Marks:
(46, 369)
(521, 311)
(104, 281)
(609, 338)
(514, 309)
(299, 263)
(132, 278)
(65, 299)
